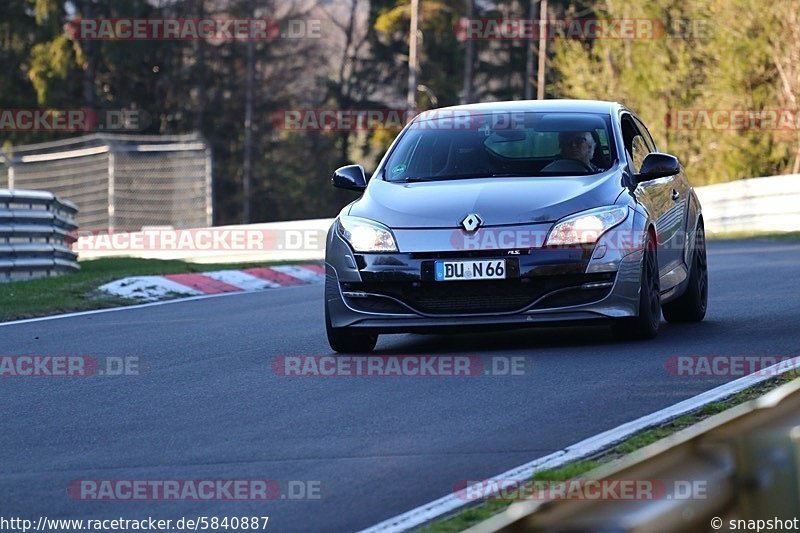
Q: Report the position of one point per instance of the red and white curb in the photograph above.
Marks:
(154, 288)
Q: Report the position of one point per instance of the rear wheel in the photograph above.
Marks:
(691, 305)
(346, 340)
(645, 325)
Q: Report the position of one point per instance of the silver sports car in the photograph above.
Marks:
(512, 214)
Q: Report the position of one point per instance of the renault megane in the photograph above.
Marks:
(513, 214)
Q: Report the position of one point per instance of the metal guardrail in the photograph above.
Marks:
(747, 458)
(36, 230)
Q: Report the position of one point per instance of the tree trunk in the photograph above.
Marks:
(247, 165)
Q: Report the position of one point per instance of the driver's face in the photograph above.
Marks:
(581, 148)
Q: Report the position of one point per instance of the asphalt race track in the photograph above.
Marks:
(207, 404)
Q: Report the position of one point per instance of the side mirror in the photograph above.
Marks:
(657, 165)
(351, 177)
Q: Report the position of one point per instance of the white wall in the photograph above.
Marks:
(752, 205)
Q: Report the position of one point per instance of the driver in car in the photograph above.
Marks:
(576, 147)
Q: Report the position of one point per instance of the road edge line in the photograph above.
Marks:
(148, 304)
(445, 505)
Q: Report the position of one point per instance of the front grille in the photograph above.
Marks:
(469, 254)
(485, 296)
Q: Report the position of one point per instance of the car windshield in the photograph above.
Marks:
(469, 145)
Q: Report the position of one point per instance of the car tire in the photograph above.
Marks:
(646, 324)
(691, 305)
(345, 340)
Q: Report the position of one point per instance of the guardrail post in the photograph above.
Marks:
(111, 187)
(209, 196)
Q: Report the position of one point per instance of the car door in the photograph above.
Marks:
(675, 217)
(654, 195)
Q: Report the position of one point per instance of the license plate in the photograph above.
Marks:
(470, 270)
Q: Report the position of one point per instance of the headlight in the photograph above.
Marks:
(366, 235)
(586, 227)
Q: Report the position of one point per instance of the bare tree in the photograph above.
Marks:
(469, 57)
(786, 56)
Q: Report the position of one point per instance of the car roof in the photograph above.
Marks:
(558, 106)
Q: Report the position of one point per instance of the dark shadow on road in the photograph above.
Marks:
(675, 337)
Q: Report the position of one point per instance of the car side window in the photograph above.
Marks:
(648, 139)
(639, 151)
(636, 143)
(629, 132)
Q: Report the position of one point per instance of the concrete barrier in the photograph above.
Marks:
(770, 204)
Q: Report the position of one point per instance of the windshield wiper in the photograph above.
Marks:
(413, 179)
(486, 175)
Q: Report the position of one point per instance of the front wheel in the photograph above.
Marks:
(345, 340)
(691, 305)
(646, 324)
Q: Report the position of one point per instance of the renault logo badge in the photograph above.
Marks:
(471, 222)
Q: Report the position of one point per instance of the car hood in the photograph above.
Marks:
(497, 201)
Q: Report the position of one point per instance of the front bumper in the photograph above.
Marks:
(396, 292)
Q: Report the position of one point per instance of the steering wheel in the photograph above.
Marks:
(568, 165)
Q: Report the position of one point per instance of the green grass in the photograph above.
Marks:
(78, 291)
(485, 510)
(475, 515)
(650, 436)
